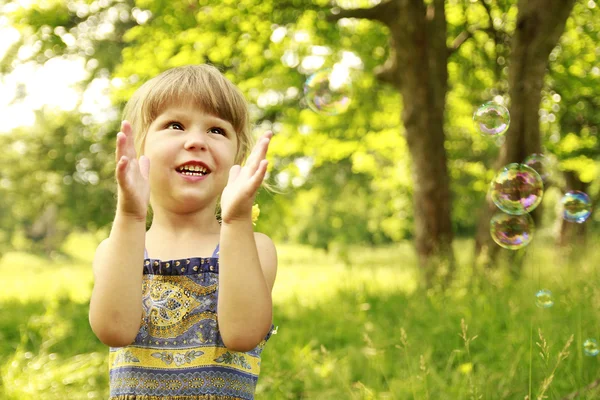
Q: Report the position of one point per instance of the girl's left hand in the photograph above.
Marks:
(238, 196)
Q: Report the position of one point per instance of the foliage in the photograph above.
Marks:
(346, 179)
(59, 162)
(569, 113)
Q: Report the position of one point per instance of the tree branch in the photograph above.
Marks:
(460, 39)
(388, 72)
(466, 35)
(384, 12)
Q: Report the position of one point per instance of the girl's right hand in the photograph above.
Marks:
(132, 176)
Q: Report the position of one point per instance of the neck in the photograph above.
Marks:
(169, 223)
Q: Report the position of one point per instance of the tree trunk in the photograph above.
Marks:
(540, 23)
(418, 37)
(573, 235)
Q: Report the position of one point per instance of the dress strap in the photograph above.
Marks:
(145, 253)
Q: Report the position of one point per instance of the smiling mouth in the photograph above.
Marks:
(193, 170)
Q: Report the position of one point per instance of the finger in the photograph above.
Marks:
(121, 169)
(259, 176)
(262, 169)
(258, 154)
(120, 150)
(145, 166)
(259, 146)
(269, 135)
(130, 142)
(233, 173)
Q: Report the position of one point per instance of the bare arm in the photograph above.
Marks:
(247, 269)
(116, 303)
(248, 261)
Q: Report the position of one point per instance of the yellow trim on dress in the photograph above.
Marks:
(173, 359)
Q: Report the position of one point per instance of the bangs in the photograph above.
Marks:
(202, 86)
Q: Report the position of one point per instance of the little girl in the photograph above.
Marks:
(186, 306)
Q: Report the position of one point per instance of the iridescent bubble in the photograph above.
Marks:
(577, 206)
(590, 347)
(492, 118)
(517, 189)
(512, 232)
(543, 299)
(329, 91)
(540, 164)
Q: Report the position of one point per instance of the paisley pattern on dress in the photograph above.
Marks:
(178, 353)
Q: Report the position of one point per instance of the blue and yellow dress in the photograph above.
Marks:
(178, 353)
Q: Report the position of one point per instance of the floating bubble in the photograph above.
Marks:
(543, 299)
(590, 347)
(517, 189)
(512, 232)
(329, 91)
(492, 118)
(540, 164)
(577, 206)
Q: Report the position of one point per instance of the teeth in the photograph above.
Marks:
(193, 168)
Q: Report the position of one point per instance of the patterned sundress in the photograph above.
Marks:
(178, 353)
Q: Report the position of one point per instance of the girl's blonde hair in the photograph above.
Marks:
(202, 85)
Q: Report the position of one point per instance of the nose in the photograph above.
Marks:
(195, 140)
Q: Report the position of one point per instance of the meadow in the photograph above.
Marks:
(363, 330)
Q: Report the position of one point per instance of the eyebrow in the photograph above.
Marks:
(176, 114)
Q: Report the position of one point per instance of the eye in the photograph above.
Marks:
(174, 125)
(218, 131)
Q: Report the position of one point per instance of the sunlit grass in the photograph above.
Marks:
(35, 279)
(32, 279)
(310, 276)
(357, 331)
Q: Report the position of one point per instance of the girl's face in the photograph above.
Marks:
(191, 153)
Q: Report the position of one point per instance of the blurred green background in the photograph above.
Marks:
(356, 317)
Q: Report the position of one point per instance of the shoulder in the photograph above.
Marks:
(263, 240)
(267, 254)
(102, 248)
(102, 245)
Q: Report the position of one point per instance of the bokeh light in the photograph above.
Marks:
(492, 119)
(329, 91)
(512, 232)
(577, 206)
(517, 189)
(544, 299)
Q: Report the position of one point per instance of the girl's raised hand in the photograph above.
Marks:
(132, 176)
(238, 196)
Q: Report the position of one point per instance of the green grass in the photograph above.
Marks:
(364, 331)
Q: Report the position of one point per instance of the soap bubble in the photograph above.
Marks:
(540, 164)
(517, 189)
(512, 232)
(328, 91)
(577, 206)
(492, 118)
(543, 299)
(590, 347)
